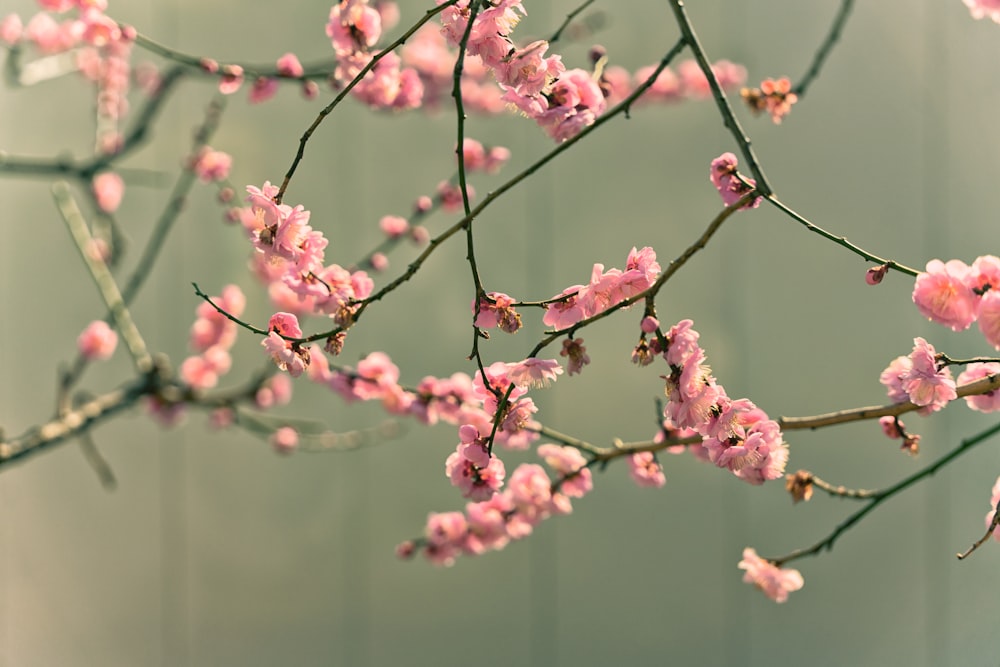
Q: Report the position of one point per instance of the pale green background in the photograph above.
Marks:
(213, 551)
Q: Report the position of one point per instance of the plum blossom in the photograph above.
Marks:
(576, 353)
(925, 384)
(773, 96)
(988, 402)
(534, 372)
(942, 294)
(727, 181)
(776, 583)
(645, 470)
(108, 188)
(97, 342)
(285, 440)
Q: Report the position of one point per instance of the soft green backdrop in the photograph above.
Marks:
(214, 551)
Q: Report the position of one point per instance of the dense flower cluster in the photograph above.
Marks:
(955, 295)
(736, 434)
(774, 97)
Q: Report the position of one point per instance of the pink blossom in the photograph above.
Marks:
(568, 310)
(924, 383)
(874, 275)
(989, 317)
(941, 294)
(534, 372)
(97, 342)
(982, 8)
(728, 182)
(393, 226)
(892, 378)
(477, 482)
(891, 427)
(445, 533)
(285, 440)
(649, 324)
(232, 79)
(776, 583)
(496, 309)
(11, 29)
(496, 157)
(576, 353)
(289, 66)
(212, 165)
(645, 470)
(531, 490)
(988, 402)
(108, 188)
(276, 390)
(773, 96)
(570, 464)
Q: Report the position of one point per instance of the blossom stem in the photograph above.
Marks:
(840, 240)
(728, 117)
(300, 152)
(105, 282)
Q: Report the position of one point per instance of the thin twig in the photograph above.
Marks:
(569, 19)
(824, 50)
(728, 117)
(105, 282)
(881, 496)
(304, 139)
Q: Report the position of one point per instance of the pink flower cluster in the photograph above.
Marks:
(354, 28)
(736, 434)
(731, 185)
(894, 429)
(529, 498)
(287, 355)
(774, 97)
(212, 335)
(605, 289)
(687, 82)
(472, 469)
(290, 259)
(102, 56)
(496, 309)
(956, 295)
(918, 379)
(775, 582)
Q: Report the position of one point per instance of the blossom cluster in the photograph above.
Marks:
(955, 295)
(775, 582)
(774, 97)
(917, 378)
(736, 434)
(489, 525)
(289, 257)
(212, 336)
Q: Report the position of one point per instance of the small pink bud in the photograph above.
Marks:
(875, 274)
(649, 324)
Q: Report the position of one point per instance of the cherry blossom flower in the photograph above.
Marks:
(108, 188)
(576, 353)
(941, 294)
(925, 384)
(776, 583)
(285, 440)
(97, 342)
(729, 184)
(988, 402)
(645, 470)
(534, 372)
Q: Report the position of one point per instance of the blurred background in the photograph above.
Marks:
(212, 550)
